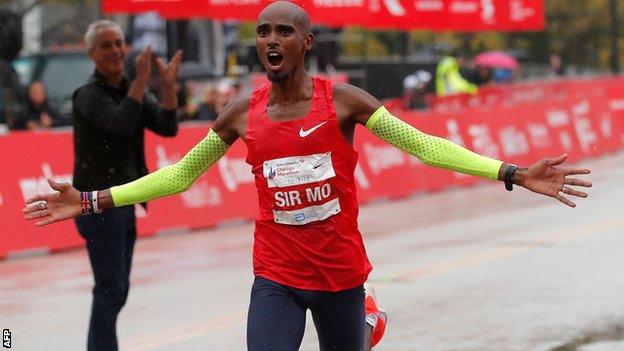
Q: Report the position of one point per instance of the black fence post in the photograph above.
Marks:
(615, 37)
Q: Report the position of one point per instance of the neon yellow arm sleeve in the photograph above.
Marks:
(174, 178)
(431, 150)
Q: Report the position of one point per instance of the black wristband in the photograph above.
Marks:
(509, 176)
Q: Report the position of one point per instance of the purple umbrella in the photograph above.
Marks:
(496, 59)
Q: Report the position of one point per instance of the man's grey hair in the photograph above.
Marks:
(93, 29)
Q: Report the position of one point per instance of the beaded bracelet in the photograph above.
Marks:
(86, 206)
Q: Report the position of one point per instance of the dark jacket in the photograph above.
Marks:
(33, 112)
(108, 133)
(12, 93)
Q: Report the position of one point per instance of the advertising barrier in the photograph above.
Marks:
(559, 90)
(465, 15)
(579, 126)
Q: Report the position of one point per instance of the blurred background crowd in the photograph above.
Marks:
(42, 57)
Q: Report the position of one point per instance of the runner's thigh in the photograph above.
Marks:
(339, 320)
(276, 322)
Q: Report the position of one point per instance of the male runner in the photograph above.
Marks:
(308, 252)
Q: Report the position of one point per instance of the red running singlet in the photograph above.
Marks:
(306, 233)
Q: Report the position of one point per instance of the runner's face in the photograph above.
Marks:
(280, 44)
(109, 52)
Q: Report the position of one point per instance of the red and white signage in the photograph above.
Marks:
(464, 15)
(510, 95)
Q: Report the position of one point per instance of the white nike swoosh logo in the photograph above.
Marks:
(305, 133)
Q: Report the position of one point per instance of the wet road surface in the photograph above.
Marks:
(466, 269)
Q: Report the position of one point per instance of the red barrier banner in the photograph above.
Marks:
(521, 134)
(509, 95)
(26, 161)
(465, 15)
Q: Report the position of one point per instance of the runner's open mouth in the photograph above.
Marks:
(275, 59)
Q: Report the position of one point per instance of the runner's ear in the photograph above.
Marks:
(308, 40)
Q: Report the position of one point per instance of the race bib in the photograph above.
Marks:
(302, 205)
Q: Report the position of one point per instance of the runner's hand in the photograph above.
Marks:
(53, 207)
(545, 177)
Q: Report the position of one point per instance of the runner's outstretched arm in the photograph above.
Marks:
(543, 177)
(175, 178)
(68, 202)
(431, 150)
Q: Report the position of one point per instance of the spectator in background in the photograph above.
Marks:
(327, 48)
(12, 92)
(503, 75)
(111, 114)
(37, 113)
(449, 80)
(415, 90)
(478, 75)
(556, 68)
(187, 107)
(210, 106)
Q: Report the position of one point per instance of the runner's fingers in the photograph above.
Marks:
(578, 182)
(37, 214)
(33, 207)
(30, 208)
(36, 198)
(564, 201)
(556, 161)
(578, 171)
(573, 192)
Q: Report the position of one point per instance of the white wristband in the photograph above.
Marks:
(94, 202)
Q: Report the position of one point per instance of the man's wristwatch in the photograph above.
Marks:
(509, 176)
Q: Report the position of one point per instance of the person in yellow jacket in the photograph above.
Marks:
(449, 80)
